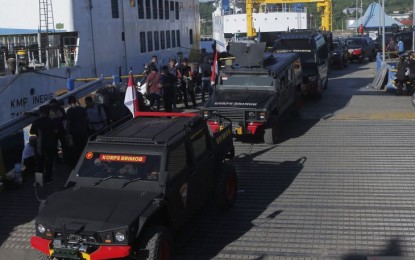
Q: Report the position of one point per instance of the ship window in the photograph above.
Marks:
(166, 10)
(114, 9)
(156, 41)
(191, 36)
(140, 5)
(162, 40)
(150, 41)
(173, 39)
(168, 39)
(143, 42)
(172, 6)
(148, 9)
(155, 10)
(178, 38)
(177, 10)
(161, 9)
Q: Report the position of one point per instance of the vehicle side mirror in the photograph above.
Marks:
(39, 179)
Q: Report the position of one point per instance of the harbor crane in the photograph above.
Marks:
(323, 6)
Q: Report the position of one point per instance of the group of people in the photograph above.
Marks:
(70, 128)
(395, 48)
(405, 71)
(165, 83)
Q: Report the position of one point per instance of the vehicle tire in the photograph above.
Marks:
(372, 56)
(297, 104)
(226, 187)
(413, 99)
(346, 63)
(155, 244)
(272, 131)
(326, 84)
(341, 65)
(362, 58)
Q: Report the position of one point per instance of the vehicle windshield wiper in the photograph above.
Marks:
(107, 178)
(131, 180)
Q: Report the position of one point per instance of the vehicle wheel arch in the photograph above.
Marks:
(158, 217)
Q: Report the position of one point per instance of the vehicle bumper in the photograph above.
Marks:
(103, 252)
(249, 128)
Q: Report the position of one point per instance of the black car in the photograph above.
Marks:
(135, 187)
(339, 54)
(360, 48)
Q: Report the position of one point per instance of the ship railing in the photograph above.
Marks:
(27, 59)
(268, 9)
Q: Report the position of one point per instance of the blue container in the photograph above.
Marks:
(70, 84)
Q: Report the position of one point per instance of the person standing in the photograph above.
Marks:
(45, 131)
(187, 83)
(58, 116)
(77, 128)
(153, 88)
(401, 48)
(167, 82)
(97, 119)
(361, 30)
(206, 71)
(173, 71)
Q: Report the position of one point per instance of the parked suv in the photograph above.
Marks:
(340, 53)
(361, 48)
(135, 186)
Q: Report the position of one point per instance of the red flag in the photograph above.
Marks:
(131, 100)
(215, 68)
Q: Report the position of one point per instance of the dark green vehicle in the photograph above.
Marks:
(135, 187)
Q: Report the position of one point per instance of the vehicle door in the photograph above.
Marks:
(178, 168)
(286, 90)
(202, 178)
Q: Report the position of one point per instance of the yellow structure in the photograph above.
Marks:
(323, 6)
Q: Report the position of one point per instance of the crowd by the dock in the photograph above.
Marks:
(60, 134)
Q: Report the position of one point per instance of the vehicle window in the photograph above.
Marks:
(128, 166)
(176, 161)
(199, 143)
(247, 80)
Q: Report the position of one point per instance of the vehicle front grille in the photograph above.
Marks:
(236, 115)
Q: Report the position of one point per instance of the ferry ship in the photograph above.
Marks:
(52, 41)
(229, 20)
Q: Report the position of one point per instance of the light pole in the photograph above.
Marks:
(413, 25)
(383, 31)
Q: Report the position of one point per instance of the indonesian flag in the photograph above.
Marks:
(215, 68)
(130, 99)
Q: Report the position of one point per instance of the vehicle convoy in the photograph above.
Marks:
(314, 52)
(361, 48)
(255, 92)
(135, 187)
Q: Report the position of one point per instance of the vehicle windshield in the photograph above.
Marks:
(355, 42)
(247, 80)
(121, 166)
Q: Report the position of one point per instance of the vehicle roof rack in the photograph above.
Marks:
(102, 138)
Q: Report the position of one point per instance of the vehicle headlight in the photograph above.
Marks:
(251, 115)
(205, 113)
(41, 228)
(120, 237)
(262, 115)
(312, 78)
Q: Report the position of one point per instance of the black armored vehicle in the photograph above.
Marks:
(135, 186)
(255, 91)
(314, 48)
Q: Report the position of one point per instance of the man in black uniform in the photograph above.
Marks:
(46, 134)
(167, 82)
(187, 82)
